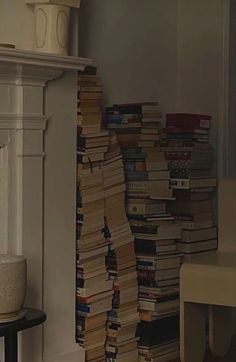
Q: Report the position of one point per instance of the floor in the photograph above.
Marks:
(230, 357)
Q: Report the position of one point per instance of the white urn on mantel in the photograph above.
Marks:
(52, 18)
(13, 280)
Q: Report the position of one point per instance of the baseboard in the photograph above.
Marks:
(74, 356)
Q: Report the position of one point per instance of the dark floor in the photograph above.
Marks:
(230, 357)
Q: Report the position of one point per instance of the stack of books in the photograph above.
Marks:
(186, 143)
(121, 344)
(94, 289)
(138, 128)
(159, 340)
(89, 101)
(136, 124)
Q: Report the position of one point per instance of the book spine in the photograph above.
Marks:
(146, 265)
(135, 209)
(135, 166)
(188, 121)
(136, 176)
(138, 185)
(183, 184)
(83, 308)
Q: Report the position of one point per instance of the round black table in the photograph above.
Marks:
(32, 318)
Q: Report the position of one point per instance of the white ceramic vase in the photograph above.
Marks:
(52, 28)
(13, 280)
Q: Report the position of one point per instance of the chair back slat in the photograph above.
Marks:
(227, 216)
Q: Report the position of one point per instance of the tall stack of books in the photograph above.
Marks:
(121, 344)
(94, 289)
(159, 340)
(186, 144)
(138, 128)
(89, 101)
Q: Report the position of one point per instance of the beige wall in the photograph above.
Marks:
(125, 38)
(16, 23)
(134, 43)
(199, 57)
(168, 50)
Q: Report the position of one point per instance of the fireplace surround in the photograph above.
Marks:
(38, 110)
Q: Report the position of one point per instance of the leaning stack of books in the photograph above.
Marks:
(89, 101)
(138, 128)
(121, 344)
(186, 144)
(94, 289)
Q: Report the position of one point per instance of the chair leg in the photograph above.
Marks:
(192, 332)
(220, 329)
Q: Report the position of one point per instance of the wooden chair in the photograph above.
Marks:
(208, 285)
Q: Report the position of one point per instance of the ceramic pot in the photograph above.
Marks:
(13, 279)
(52, 28)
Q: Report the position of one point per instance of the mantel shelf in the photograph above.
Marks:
(43, 59)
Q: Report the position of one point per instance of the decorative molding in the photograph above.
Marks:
(4, 138)
(23, 78)
(14, 74)
(73, 356)
(43, 59)
(22, 121)
(26, 74)
(70, 3)
(4, 185)
(31, 183)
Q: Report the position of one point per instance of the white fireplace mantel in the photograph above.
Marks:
(44, 60)
(32, 220)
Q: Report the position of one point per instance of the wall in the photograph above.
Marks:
(18, 29)
(199, 57)
(125, 38)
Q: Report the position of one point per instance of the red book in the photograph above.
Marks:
(188, 120)
(179, 156)
(186, 195)
(194, 130)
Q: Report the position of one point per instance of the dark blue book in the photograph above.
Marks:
(134, 154)
(141, 264)
(130, 108)
(83, 307)
(159, 331)
(136, 176)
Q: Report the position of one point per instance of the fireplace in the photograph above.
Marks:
(38, 94)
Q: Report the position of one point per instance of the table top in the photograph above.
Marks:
(32, 318)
